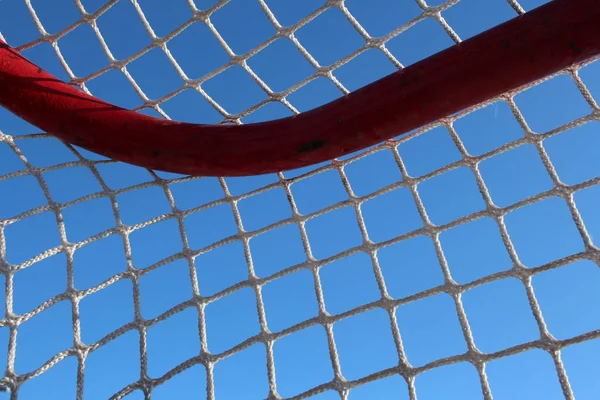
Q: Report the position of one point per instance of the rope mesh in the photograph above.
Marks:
(286, 183)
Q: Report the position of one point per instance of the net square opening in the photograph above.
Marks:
(428, 152)
(105, 311)
(391, 215)
(334, 232)
(499, 315)
(121, 176)
(349, 283)
(316, 93)
(210, 225)
(141, 205)
(451, 195)
(263, 209)
(164, 288)
(97, 261)
(565, 295)
(475, 250)
(243, 375)
(241, 185)
(190, 382)
(365, 344)
(384, 16)
(410, 47)
(290, 300)
(191, 106)
(410, 267)
(471, 17)
(243, 24)
(104, 382)
(573, 153)
(45, 56)
(225, 89)
(165, 20)
(19, 25)
(43, 336)
(10, 161)
(221, 268)
(329, 186)
(488, 128)
(45, 385)
(88, 218)
(267, 112)
(528, 375)
(231, 319)
(82, 49)
(197, 50)
(373, 172)
(194, 193)
(393, 386)
(114, 87)
(154, 243)
(365, 68)
(45, 151)
(276, 250)
(122, 21)
(302, 361)
(17, 126)
(289, 13)
(330, 37)
(455, 381)
(172, 342)
(515, 175)
(579, 360)
(552, 104)
(539, 239)
(25, 194)
(39, 282)
(161, 66)
(281, 65)
(430, 329)
(22, 246)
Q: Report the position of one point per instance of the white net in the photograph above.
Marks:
(460, 261)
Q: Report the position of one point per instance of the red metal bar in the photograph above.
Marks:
(529, 47)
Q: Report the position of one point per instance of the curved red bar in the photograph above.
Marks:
(539, 43)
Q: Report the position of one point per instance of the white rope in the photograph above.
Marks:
(286, 184)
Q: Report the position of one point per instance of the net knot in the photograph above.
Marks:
(339, 384)
(522, 273)
(549, 343)
(453, 288)
(375, 42)
(118, 64)
(335, 3)
(284, 31)
(201, 15)
(476, 357)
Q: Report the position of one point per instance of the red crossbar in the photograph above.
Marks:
(524, 49)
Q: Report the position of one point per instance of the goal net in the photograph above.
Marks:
(458, 260)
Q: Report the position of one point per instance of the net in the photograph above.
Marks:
(458, 261)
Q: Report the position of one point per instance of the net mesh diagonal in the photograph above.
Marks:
(339, 385)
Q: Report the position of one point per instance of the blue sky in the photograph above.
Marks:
(498, 312)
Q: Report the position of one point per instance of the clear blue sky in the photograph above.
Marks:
(498, 312)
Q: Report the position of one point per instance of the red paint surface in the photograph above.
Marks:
(541, 42)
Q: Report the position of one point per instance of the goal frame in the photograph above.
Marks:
(525, 49)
